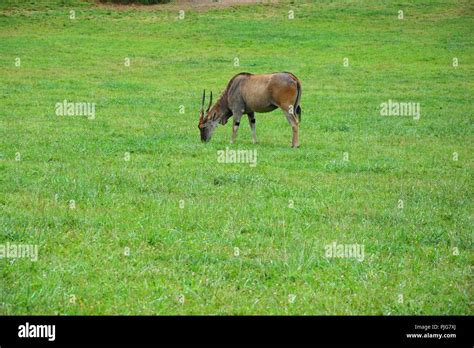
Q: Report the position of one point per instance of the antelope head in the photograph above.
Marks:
(207, 121)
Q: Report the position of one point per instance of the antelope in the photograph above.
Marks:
(248, 93)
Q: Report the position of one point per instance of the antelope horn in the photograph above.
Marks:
(203, 99)
(210, 102)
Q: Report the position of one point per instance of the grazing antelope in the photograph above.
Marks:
(246, 94)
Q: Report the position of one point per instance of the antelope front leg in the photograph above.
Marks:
(235, 126)
(253, 127)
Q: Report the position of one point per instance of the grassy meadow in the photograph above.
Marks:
(132, 214)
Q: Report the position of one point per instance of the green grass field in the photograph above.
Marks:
(172, 230)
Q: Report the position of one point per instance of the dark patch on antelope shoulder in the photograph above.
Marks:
(225, 118)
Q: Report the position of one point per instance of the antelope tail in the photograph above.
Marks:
(297, 107)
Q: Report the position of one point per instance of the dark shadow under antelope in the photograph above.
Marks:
(248, 93)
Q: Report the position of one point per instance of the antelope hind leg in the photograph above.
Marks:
(293, 121)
